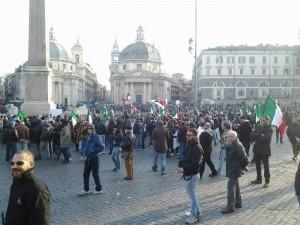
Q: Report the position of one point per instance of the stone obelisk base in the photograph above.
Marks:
(38, 91)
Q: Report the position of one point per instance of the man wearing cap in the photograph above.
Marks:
(92, 145)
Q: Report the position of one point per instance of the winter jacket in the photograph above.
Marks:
(35, 134)
(92, 145)
(181, 135)
(29, 202)
(137, 128)
(244, 131)
(236, 159)
(23, 131)
(206, 141)
(10, 135)
(65, 137)
(100, 128)
(127, 142)
(160, 136)
(262, 137)
(192, 159)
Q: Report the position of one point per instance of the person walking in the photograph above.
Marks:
(236, 162)
(29, 199)
(117, 149)
(92, 145)
(189, 167)
(160, 136)
(206, 143)
(137, 132)
(65, 141)
(127, 152)
(262, 137)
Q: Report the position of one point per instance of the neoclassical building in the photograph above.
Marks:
(249, 73)
(73, 80)
(136, 72)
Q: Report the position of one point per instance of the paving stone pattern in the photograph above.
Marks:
(152, 199)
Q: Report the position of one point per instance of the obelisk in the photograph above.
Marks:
(37, 75)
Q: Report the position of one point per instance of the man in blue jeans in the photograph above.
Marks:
(92, 145)
(189, 166)
(160, 137)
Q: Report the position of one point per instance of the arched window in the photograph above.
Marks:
(286, 89)
(263, 89)
(218, 90)
(241, 91)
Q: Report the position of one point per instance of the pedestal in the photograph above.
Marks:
(38, 91)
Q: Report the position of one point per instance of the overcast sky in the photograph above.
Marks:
(167, 23)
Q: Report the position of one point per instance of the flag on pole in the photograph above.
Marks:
(74, 118)
(90, 119)
(258, 112)
(21, 115)
(158, 106)
(175, 113)
(272, 110)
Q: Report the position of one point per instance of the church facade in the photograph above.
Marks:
(136, 75)
(73, 80)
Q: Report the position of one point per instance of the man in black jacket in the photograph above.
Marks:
(10, 138)
(206, 143)
(244, 131)
(236, 161)
(189, 167)
(29, 200)
(262, 150)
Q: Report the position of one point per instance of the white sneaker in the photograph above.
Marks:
(83, 192)
(97, 192)
(192, 220)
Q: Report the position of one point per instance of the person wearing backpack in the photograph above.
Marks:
(236, 162)
(189, 166)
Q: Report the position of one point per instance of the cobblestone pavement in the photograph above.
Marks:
(154, 199)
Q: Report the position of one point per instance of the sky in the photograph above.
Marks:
(168, 24)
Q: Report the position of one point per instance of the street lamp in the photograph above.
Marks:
(191, 48)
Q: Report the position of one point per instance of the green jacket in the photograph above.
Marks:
(65, 137)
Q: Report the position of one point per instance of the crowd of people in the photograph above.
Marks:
(189, 136)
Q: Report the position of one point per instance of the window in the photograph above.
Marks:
(264, 71)
(286, 71)
(252, 59)
(241, 71)
(219, 71)
(77, 58)
(264, 59)
(124, 67)
(242, 59)
(275, 71)
(71, 68)
(139, 66)
(275, 59)
(287, 59)
(208, 60)
(219, 59)
(228, 59)
(207, 71)
(252, 71)
(64, 66)
(230, 71)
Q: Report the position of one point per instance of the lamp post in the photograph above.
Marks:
(194, 48)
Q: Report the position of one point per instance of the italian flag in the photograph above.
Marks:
(74, 118)
(272, 110)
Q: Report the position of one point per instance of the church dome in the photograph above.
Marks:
(140, 51)
(56, 50)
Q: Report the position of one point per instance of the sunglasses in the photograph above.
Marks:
(18, 163)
